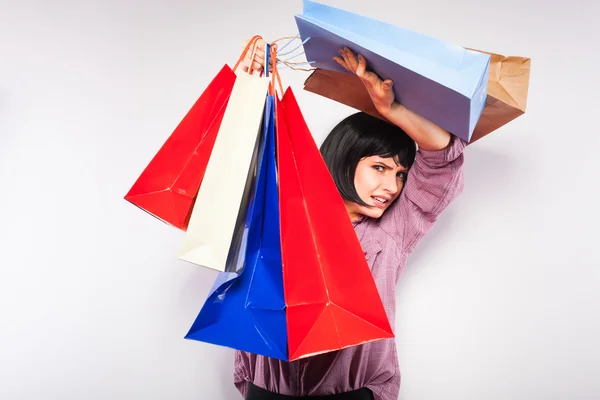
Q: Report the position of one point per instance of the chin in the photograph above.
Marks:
(372, 212)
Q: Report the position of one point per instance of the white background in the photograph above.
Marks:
(500, 301)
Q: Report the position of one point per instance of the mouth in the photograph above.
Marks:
(380, 202)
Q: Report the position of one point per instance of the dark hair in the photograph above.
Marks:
(358, 136)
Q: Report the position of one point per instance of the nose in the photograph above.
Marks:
(390, 184)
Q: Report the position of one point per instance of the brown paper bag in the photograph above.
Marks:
(508, 85)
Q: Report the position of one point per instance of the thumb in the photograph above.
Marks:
(370, 78)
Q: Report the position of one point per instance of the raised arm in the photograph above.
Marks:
(434, 181)
(436, 177)
(426, 134)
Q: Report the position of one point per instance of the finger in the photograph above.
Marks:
(257, 59)
(261, 46)
(257, 51)
(258, 47)
(362, 66)
(257, 66)
(351, 59)
(371, 79)
(346, 61)
(342, 63)
(367, 76)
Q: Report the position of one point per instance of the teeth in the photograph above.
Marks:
(379, 199)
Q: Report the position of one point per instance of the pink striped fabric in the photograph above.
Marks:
(434, 181)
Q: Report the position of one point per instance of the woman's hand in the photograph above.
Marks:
(258, 63)
(380, 91)
(425, 133)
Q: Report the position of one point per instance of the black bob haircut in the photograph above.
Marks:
(358, 136)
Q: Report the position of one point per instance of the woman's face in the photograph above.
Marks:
(378, 182)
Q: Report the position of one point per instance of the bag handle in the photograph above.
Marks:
(272, 59)
(274, 71)
(252, 42)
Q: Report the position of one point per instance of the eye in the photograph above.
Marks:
(401, 175)
(378, 168)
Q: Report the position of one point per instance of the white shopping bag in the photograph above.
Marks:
(220, 207)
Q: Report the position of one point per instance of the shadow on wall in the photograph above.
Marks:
(492, 177)
(192, 296)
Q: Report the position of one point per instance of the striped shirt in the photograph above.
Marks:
(435, 179)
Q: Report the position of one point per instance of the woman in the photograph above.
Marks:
(393, 194)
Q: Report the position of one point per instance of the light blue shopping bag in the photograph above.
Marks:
(442, 82)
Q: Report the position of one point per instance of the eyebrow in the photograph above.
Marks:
(403, 169)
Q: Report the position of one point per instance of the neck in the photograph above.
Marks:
(352, 214)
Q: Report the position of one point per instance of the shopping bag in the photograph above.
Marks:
(344, 88)
(324, 267)
(508, 85)
(245, 309)
(442, 82)
(169, 184)
(219, 200)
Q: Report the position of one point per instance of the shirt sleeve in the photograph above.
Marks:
(434, 181)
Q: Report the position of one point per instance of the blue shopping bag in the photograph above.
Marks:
(442, 82)
(246, 309)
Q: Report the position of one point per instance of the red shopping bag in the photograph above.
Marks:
(331, 298)
(168, 186)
